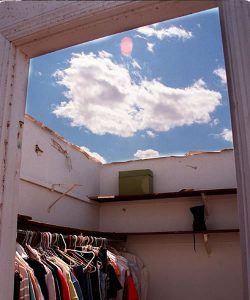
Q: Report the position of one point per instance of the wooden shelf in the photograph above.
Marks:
(181, 194)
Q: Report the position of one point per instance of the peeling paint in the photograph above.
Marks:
(20, 135)
(4, 164)
(193, 167)
(60, 137)
(59, 148)
(38, 150)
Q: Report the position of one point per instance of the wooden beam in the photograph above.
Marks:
(82, 21)
(235, 25)
(13, 84)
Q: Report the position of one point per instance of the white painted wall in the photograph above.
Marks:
(171, 174)
(176, 272)
(34, 201)
(50, 167)
(167, 214)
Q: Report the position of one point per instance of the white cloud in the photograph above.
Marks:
(151, 134)
(150, 47)
(135, 64)
(39, 73)
(149, 153)
(214, 122)
(221, 73)
(102, 97)
(104, 54)
(140, 37)
(170, 32)
(94, 154)
(227, 135)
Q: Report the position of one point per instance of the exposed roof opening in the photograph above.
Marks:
(158, 90)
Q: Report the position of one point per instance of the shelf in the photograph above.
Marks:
(180, 194)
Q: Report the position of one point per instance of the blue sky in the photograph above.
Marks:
(154, 91)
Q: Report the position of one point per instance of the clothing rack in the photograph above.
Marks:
(26, 223)
(53, 265)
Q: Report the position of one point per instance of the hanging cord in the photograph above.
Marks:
(206, 212)
(64, 194)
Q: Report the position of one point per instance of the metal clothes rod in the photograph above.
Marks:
(26, 223)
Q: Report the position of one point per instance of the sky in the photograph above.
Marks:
(158, 90)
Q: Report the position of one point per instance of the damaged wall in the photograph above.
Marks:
(50, 163)
(207, 170)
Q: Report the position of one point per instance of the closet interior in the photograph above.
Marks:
(156, 228)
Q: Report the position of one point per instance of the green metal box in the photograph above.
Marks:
(135, 182)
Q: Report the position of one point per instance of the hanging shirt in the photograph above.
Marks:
(139, 274)
(17, 281)
(40, 273)
(24, 284)
(130, 289)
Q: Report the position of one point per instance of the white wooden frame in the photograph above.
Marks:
(32, 28)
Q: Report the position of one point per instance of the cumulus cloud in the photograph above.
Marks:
(94, 154)
(221, 73)
(161, 33)
(150, 47)
(227, 135)
(102, 97)
(149, 153)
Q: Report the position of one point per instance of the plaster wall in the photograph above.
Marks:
(167, 214)
(34, 201)
(175, 270)
(171, 174)
(201, 171)
(40, 172)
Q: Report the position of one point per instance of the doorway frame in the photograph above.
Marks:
(62, 24)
